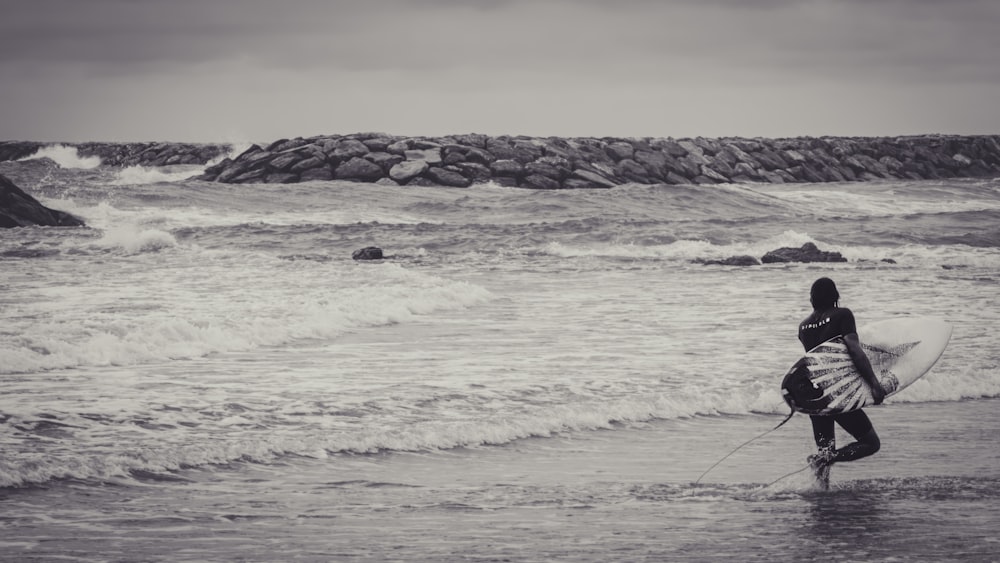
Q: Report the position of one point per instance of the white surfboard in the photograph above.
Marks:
(825, 381)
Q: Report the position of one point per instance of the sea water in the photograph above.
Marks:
(204, 373)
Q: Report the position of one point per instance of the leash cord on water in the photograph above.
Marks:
(787, 418)
(786, 475)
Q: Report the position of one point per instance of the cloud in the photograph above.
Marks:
(880, 37)
(194, 68)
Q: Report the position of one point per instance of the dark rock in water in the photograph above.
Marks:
(368, 253)
(808, 253)
(18, 209)
(732, 261)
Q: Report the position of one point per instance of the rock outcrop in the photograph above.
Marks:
(18, 209)
(560, 163)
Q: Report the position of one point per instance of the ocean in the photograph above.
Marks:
(205, 374)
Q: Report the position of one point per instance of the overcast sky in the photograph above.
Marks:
(259, 70)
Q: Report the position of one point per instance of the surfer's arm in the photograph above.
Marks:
(864, 366)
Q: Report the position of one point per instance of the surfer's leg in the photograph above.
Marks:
(823, 433)
(858, 425)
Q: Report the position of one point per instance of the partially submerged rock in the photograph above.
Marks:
(368, 253)
(808, 253)
(18, 209)
(732, 261)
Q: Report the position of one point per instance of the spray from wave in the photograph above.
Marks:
(65, 157)
(141, 175)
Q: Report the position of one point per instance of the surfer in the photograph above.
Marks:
(829, 320)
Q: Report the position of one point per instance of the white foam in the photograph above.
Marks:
(94, 331)
(65, 157)
(133, 239)
(138, 175)
(685, 250)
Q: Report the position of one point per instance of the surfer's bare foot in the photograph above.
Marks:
(820, 464)
(820, 460)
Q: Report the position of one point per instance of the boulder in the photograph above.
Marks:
(472, 139)
(655, 163)
(479, 156)
(474, 171)
(770, 160)
(500, 148)
(250, 176)
(378, 144)
(676, 179)
(18, 209)
(385, 160)
(620, 150)
(306, 164)
(320, 174)
(808, 253)
(713, 174)
(348, 149)
(507, 168)
(593, 178)
(446, 177)
(539, 182)
(545, 169)
(408, 169)
(358, 169)
(285, 161)
(281, 178)
(430, 156)
(672, 148)
(368, 253)
(632, 171)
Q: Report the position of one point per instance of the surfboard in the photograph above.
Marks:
(824, 381)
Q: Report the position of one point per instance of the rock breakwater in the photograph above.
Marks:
(124, 154)
(561, 163)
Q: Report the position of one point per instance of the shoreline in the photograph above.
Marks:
(584, 496)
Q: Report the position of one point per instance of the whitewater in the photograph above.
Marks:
(204, 373)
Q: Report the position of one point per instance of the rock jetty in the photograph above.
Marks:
(125, 154)
(561, 163)
(18, 209)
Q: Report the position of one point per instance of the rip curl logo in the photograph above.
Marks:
(818, 324)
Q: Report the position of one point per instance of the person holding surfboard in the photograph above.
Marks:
(829, 320)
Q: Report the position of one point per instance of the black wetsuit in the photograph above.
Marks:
(815, 330)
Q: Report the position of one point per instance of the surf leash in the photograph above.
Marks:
(786, 475)
(759, 436)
